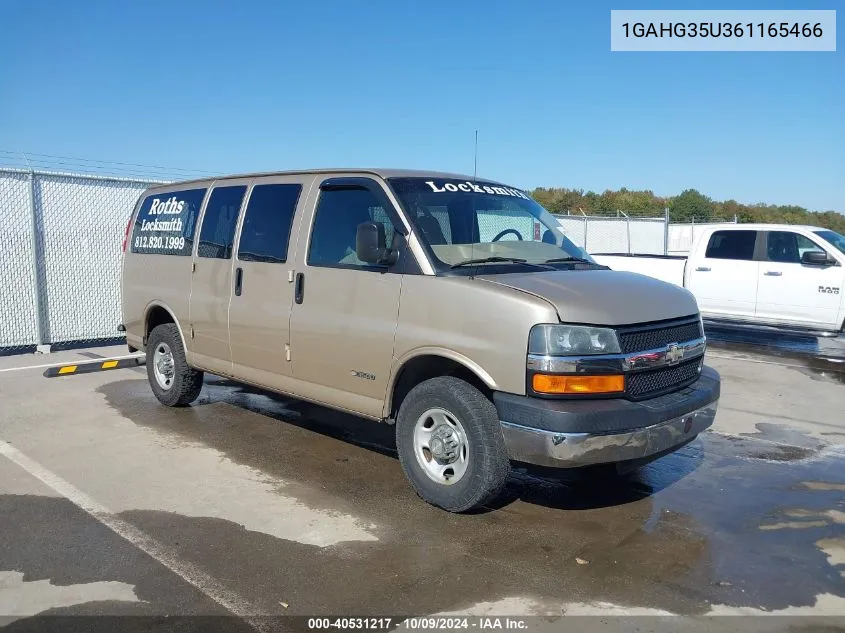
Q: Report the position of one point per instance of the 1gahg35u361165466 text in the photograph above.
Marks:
(723, 30)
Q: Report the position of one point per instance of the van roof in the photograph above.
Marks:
(380, 172)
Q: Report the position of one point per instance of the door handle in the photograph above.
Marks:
(239, 279)
(703, 269)
(773, 273)
(299, 287)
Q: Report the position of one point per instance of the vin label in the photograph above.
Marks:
(713, 30)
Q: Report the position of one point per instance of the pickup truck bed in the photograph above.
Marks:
(668, 268)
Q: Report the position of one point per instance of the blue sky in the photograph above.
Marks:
(255, 85)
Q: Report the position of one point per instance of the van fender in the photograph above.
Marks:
(452, 355)
(160, 304)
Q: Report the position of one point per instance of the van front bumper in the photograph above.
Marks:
(575, 433)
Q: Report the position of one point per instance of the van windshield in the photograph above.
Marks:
(464, 221)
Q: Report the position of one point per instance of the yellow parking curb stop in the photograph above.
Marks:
(87, 368)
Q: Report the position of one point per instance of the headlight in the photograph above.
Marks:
(571, 340)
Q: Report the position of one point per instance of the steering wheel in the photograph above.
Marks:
(505, 232)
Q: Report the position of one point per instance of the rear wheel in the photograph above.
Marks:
(173, 382)
(450, 444)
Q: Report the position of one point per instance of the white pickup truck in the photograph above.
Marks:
(757, 275)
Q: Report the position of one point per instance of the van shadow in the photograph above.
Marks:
(575, 489)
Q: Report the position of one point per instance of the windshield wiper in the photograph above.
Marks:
(490, 260)
(508, 260)
(568, 258)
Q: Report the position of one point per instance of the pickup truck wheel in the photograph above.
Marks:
(173, 382)
(450, 444)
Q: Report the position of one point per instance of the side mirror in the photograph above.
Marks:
(816, 258)
(370, 244)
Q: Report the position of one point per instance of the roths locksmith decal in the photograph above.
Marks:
(165, 223)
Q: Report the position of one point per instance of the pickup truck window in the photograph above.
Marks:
(460, 220)
(834, 238)
(217, 233)
(732, 245)
(788, 247)
(267, 221)
(338, 214)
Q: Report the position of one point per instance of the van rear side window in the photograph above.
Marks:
(166, 221)
(218, 224)
(266, 228)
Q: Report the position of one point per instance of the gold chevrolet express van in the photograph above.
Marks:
(452, 307)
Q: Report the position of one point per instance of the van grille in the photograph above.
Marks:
(646, 384)
(641, 340)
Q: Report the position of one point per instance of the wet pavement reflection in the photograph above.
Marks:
(816, 350)
(726, 520)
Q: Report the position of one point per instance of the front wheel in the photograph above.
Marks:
(450, 444)
(172, 380)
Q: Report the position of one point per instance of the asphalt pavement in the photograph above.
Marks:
(249, 509)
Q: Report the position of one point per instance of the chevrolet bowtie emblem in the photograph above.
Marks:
(674, 353)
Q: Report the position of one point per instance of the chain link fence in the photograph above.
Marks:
(608, 234)
(18, 301)
(62, 236)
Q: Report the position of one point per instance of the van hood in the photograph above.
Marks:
(603, 297)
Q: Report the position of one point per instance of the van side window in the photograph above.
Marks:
(267, 223)
(732, 245)
(339, 212)
(166, 221)
(218, 224)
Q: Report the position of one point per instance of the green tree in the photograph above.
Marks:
(684, 207)
(691, 205)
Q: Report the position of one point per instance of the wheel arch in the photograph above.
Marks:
(424, 363)
(158, 313)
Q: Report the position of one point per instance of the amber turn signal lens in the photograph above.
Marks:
(544, 383)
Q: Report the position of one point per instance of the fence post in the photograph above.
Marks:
(628, 229)
(666, 231)
(39, 273)
(586, 224)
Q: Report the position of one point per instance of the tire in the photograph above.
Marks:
(185, 383)
(479, 472)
